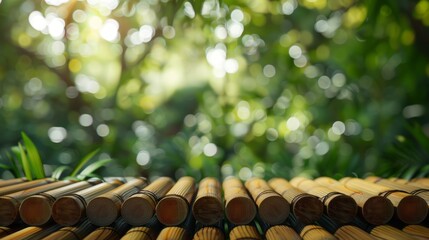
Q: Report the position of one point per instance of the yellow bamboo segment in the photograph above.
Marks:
(417, 231)
(406, 182)
(424, 181)
(350, 232)
(24, 185)
(70, 209)
(106, 208)
(239, 207)
(5, 231)
(375, 210)
(409, 209)
(30, 233)
(173, 208)
(208, 206)
(209, 233)
(140, 233)
(173, 233)
(281, 232)
(244, 232)
(115, 231)
(72, 233)
(138, 209)
(13, 181)
(9, 204)
(315, 232)
(36, 210)
(387, 232)
(339, 207)
(272, 207)
(307, 208)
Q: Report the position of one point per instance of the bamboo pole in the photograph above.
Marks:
(307, 208)
(421, 192)
(424, 181)
(115, 231)
(72, 233)
(70, 209)
(208, 206)
(315, 232)
(31, 233)
(272, 207)
(103, 210)
(417, 231)
(350, 232)
(410, 183)
(281, 232)
(9, 182)
(409, 209)
(36, 210)
(339, 207)
(209, 233)
(182, 231)
(173, 208)
(24, 185)
(149, 231)
(9, 204)
(239, 207)
(376, 210)
(4, 231)
(387, 232)
(138, 209)
(244, 232)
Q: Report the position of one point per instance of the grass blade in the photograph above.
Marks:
(5, 167)
(25, 164)
(56, 174)
(14, 156)
(33, 157)
(82, 162)
(93, 167)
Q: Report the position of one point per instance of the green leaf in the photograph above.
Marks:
(92, 168)
(5, 167)
(56, 174)
(14, 157)
(33, 157)
(82, 162)
(25, 163)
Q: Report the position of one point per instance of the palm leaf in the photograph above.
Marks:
(25, 163)
(33, 157)
(82, 162)
(14, 156)
(56, 174)
(92, 168)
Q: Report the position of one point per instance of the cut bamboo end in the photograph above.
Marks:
(412, 209)
(141, 233)
(9, 210)
(68, 210)
(244, 232)
(240, 210)
(103, 210)
(314, 232)
(208, 207)
(390, 233)
(341, 208)
(36, 210)
(173, 233)
(281, 232)
(172, 210)
(378, 210)
(417, 231)
(138, 209)
(209, 233)
(349, 232)
(307, 208)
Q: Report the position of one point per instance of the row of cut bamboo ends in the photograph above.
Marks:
(302, 208)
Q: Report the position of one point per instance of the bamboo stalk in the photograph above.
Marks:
(409, 209)
(239, 207)
(182, 231)
(103, 210)
(307, 208)
(376, 210)
(9, 204)
(139, 208)
(70, 209)
(244, 232)
(115, 231)
(5, 231)
(72, 233)
(315, 232)
(31, 233)
(173, 208)
(24, 185)
(9, 182)
(350, 232)
(209, 233)
(272, 207)
(417, 231)
(281, 232)
(424, 181)
(339, 207)
(208, 206)
(36, 210)
(149, 231)
(410, 183)
(387, 232)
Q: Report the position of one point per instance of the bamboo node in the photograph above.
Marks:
(388, 192)
(329, 195)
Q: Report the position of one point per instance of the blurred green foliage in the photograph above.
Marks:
(252, 88)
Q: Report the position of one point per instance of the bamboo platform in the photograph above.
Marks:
(211, 209)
